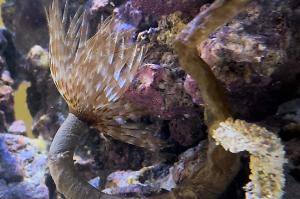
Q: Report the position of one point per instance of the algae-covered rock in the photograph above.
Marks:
(38, 57)
(161, 7)
(169, 26)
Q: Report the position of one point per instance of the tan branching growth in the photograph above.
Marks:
(221, 166)
(266, 160)
(267, 154)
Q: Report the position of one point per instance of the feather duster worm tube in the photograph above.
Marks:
(61, 165)
(61, 162)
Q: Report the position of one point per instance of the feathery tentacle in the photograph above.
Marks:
(93, 74)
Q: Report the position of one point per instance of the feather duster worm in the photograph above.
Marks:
(93, 74)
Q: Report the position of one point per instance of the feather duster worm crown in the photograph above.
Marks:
(93, 74)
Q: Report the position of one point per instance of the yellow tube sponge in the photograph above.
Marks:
(266, 156)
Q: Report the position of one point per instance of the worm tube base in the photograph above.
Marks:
(61, 163)
(69, 182)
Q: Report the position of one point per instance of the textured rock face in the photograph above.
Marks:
(129, 15)
(252, 55)
(161, 7)
(157, 178)
(22, 169)
(17, 127)
(6, 103)
(96, 6)
(293, 178)
(155, 89)
(44, 102)
(7, 53)
(191, 88)
(161, 93)
(38, 57)
(117, 155)
(187, 130)
(289, 112)
(27, 19)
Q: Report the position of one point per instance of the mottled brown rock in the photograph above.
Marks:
(6, 96)
(4, 125)
(161, 7)
(6, 102)
(187, 130)
(157, 178)
(254, 54)
(191, 88)
(156, 90)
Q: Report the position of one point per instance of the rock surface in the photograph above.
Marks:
(6, 104)
(155, 89)
(7, 52)
(191, 88)
(187, 130)
(44, 102)
(157, 178)
(28, 21)
(22, 169)
(161, 7)
(17, 128)
(161, 94)
(253, 54)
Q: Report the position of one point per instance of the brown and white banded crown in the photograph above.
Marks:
(93, 73)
